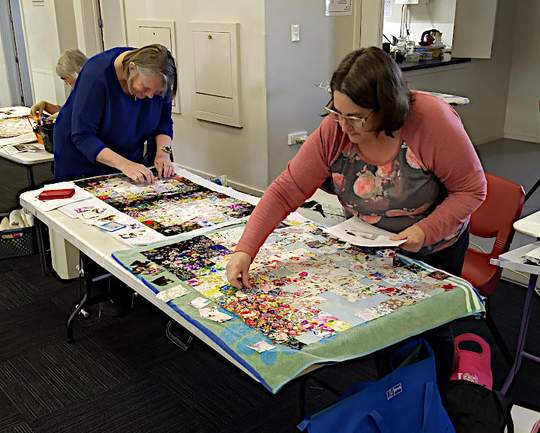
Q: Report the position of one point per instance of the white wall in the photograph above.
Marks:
(522, 111)
(436, 14)
(9, 91)
(203, 146)
(6, 97)
(484, 82)
(293, 69)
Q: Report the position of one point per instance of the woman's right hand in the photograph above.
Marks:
(238, 270)
(39, 108)
(137, 172)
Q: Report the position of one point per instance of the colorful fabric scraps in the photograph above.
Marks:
(310, 294)
(169, 206)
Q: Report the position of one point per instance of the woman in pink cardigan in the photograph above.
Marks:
(397, 159)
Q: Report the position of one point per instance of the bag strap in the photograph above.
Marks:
(486, 349)
(304, 424)
(378, 421)
(428, 398)
(373, 415)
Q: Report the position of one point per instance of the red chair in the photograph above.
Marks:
(493, 219)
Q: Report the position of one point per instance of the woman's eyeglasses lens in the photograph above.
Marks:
(353, 120)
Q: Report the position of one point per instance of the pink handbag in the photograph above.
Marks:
(472, 366)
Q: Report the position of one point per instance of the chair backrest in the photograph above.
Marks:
(496, 215)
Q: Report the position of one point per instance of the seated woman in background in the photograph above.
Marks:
(397, 159)
(122, 98)
(67, 68)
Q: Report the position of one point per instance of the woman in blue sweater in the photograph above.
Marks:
(121, 99)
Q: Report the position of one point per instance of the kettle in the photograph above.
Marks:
(431, 37)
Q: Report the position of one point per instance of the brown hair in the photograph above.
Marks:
(372, 79)
(155, 59)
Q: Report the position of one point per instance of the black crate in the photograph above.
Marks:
(17, 242)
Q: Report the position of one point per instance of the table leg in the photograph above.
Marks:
(41, 246)
(532, 190)
(183, 342)
(520, 352)
(30, 175)
(73, 315)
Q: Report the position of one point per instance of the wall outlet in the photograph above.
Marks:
(296, 138)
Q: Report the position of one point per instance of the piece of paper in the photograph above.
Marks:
(200, 302)
(29, 137)
(172, 293)
(533, 256)
(261, 346)
(212, 313)
(358, 232)
(11, 112)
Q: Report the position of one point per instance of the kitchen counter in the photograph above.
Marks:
(405, 66)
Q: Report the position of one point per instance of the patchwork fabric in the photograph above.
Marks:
(168, 206)
(314, 299)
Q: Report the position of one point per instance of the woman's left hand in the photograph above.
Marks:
(414, 236)
(164, 166)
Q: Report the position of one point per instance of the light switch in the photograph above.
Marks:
(295, 32)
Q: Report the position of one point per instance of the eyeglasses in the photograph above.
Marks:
(351, 120)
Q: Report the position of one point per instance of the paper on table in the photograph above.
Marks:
(358, 232)
(9, 112)
(21, 148)
(29, 137)
(533, 256)
(45, 206)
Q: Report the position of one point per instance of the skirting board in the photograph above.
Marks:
(483, 140)
(522, 137)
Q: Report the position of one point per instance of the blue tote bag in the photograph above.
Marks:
(406, 400)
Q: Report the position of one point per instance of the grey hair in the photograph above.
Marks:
(70, 63)
(146, 71)
(152, 59)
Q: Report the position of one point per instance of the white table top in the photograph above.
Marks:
(515, 260)
(28, 158)
(99, 246)
(24, 158)
(529, 225)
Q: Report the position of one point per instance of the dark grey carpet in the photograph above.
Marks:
(123, 375)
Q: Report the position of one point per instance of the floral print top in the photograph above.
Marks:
(434, 181)
(392, 196)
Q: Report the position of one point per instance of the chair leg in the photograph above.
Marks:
(499, 341)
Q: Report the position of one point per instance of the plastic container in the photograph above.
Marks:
(17, 242)
(45, 133)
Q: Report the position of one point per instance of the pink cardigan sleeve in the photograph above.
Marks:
(436, 134)
(304, 174)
